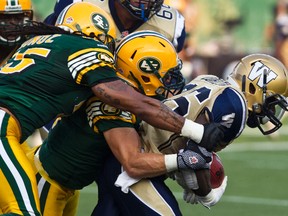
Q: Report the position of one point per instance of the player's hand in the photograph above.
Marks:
(214, 196)
(187, 179)
(194, 157)
(212, 136)
(189, 196)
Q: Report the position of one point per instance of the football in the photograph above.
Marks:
(216, 171)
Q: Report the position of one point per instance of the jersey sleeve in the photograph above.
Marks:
(91, 63)
(180, 32)
(102, 117)
(230, 110)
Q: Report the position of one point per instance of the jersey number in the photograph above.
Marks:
(183, 104)
(164, 13)
(25, 62)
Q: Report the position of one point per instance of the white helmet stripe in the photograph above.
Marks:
(61, 16)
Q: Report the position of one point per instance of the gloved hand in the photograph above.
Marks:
(212, 136)
(194, 157)
(190, 197)
(214, 196)
(187, 179)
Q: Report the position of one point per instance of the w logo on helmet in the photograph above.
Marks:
(100, 22)
(258, 71)
(149, 65)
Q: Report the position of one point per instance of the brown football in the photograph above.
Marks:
(217, 173)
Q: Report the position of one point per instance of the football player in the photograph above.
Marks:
(255, 93)
(52, 74)
(75, 160)
(12, 14)
(136, 15)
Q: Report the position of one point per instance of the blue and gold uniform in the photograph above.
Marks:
(167, 21)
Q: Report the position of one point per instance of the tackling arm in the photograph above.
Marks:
(120, 95)
(125, 145)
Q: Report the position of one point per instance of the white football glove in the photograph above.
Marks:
(214, 196)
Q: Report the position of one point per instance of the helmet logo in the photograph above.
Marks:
(69, 20)
(258, 71)
(149, 65)
(100, 22)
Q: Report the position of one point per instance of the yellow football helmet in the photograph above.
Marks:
(263, 80)
(149, 61)
(88, 20)
(13, 13)
(142, 9)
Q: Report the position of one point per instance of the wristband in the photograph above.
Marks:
(192, 130)
(171, 162)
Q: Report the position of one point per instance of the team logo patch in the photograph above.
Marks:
(105, 57)
(149, 65)
(109, 110)
(100, 22)
(193, 160)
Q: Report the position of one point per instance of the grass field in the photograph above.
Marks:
(256, 167)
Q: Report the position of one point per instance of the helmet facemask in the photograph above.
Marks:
(144, 9)
(173, 81)
(272, 110)
(11, 18)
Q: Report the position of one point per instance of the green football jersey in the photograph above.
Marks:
(74, 153)
(51, 75)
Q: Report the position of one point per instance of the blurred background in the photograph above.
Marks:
(219, 32)
(222, 31)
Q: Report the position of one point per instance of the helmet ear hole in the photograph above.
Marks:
(252, 89)
(145, 79)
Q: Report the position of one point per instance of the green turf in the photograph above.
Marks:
(256, 167)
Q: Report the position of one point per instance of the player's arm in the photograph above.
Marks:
(118, 94)
(180, 32)
(126, 146)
